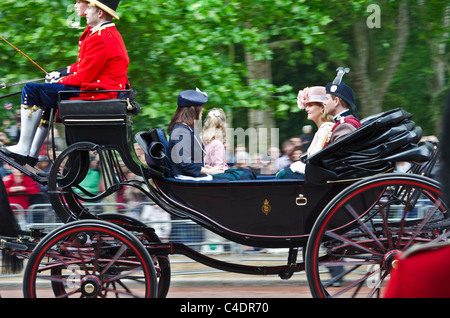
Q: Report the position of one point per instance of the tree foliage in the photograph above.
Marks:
(183, 44)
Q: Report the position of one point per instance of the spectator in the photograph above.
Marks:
(270, 161)
(41, 197)
(133, 197)
(91, 182)
(307, 136)
(296, 153)
(297, 141)
(242, 157)
(160, 218)
(285, 159)
(4, 140)
(256, 164)
(19, 188)
(5, 169)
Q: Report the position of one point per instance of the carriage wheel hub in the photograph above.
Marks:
(389, 260)
(91, 286)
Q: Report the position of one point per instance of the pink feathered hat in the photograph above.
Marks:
(315, 94)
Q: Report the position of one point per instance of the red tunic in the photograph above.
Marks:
(423, 274)
(350, 121)
(73, 68)
(102, 64)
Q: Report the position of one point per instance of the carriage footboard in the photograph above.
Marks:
(284, 271)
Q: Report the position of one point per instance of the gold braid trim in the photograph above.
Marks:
(44, 123)
(32, 108)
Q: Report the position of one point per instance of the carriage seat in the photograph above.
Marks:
(107, 123)
(154, 144)
(383, 140)
(98, 121)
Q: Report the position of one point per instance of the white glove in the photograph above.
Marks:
(52, 77)
(298, 167)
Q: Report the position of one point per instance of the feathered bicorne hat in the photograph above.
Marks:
(342, 90)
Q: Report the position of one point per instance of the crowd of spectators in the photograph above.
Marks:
(276, 159)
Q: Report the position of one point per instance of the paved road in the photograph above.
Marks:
(240, 292)
(191, 280)
(204, 292)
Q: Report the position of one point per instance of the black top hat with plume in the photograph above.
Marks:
(342, 90)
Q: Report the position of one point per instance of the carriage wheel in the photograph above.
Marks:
(90, 259)
(161, 262)
(354, 242)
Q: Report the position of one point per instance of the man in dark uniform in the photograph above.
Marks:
(102, 65)
(340, 99)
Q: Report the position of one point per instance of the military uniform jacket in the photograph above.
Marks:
(73, 68)
(344, 124)
(421, 272)
(102, 64)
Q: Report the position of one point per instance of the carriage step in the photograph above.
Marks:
(34, 173)
(12, 246)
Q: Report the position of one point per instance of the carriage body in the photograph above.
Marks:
(343, 213)
(267, 212)
(281, 212)
(264, 212)
(270, 213)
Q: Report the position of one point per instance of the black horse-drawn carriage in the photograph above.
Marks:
(353, 212)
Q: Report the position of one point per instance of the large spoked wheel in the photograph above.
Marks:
(355, 240)
(90, 259)
(147, 235)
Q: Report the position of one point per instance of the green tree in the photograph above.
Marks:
(251, 55)
(404, 62)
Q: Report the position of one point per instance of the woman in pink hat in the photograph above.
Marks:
(312, 100)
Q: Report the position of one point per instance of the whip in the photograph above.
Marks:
(3, 85)
(1, 37)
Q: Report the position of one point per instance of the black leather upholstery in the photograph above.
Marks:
(374, 148)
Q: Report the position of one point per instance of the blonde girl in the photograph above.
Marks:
(214, 138)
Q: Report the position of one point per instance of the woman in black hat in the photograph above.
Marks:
(186, 150)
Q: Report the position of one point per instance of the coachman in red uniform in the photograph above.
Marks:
(103, 59)
(421, 272)
(102, 65)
